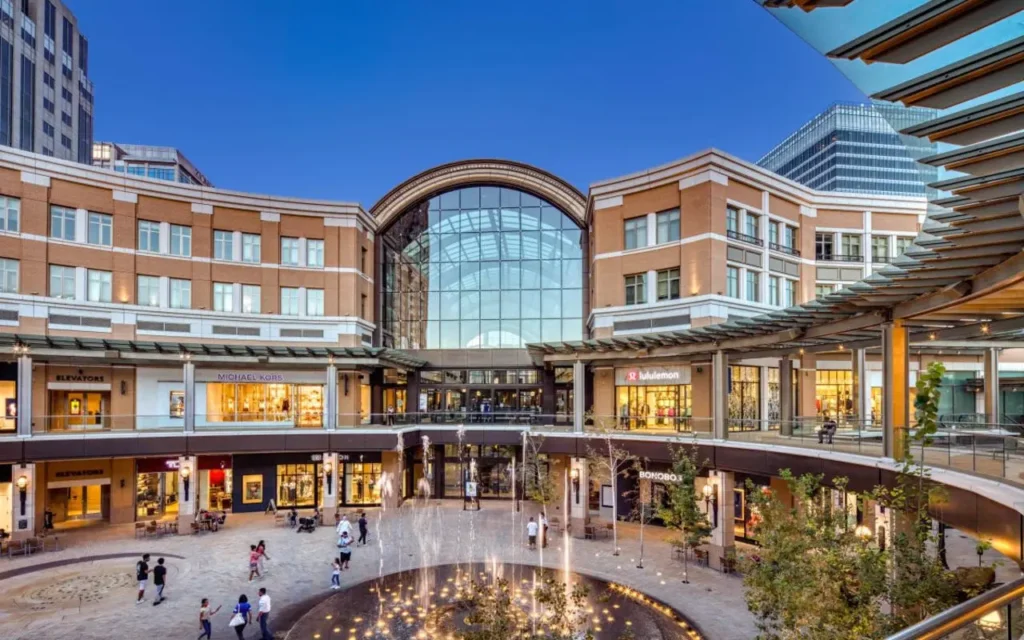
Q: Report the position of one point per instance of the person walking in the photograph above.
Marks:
(544, 531)
(159, 580)
(261, 548)
(142, 575)
(242, 616)
(344, 526)
(263, 615)
(204, 618)
(531, 532)
(363, 528)
(254, 562)
(345, 544)
(336, 574)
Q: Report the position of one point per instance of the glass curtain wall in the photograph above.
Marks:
(482, 267)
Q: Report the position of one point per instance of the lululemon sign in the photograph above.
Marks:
(652, 376)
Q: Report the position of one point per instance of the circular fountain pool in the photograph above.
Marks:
(448, 601)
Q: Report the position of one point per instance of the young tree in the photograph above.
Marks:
(606, 463)
(682, 512)
(538, 483)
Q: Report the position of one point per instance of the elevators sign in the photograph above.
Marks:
(651, 376)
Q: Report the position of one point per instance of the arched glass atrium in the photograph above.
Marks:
(482, 267)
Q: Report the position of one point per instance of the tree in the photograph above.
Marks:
(538, 483)
(607, 463)
(681, 511)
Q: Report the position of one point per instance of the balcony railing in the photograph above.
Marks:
(775, 246)
(742, 237)
(881, 259)
(839, 257)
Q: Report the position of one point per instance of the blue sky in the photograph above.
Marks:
(345, 102)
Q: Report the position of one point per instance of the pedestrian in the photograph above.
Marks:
(344, 526)
(531, 532)
(261, 547)
(345, 544)
(363, 528)
(204, 618)
(335, 574)
(544, 530)
(159, 580)
(254, 562)
(142, 575)
(242, 616)
(293, 517)
(263, 615)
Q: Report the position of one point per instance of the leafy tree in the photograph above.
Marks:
(681, 511)
(607, 463)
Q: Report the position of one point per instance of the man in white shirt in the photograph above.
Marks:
(344, 526)
(531, 532)
(264, 615)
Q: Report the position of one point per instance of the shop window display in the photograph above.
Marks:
(301, 404)
(834, 393)
(665, 407)
(744, 398)
(297, 485)
(156, 494)
(362, 482)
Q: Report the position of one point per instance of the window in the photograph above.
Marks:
(290, 251)
(753, 286)
(362, 305)
(362, 259)
(10, 214)
(851, 246)
(148, 291)
(774, 297)
(250, 247)
(251, 298)
(223, 296)
(8, 275)
(101, 286)
(636, 232)
(773, 233)
(289, 301)
(732, 220)
(149, 236)
(314, 302)
(668, 284)
(636, 288)
(100, 229)
(902, 244)
(62, 282)
(181, 240)
(753, 228)
(788, 236)
(824, 246)
(62, 223)
(181, 294)
(314, 253)
(879, 248)
(223, 245)
(790, 293)
(668, 226)
(732, 282)
(822, 290)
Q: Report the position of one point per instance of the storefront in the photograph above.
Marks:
(78, 399)
(286, 398)
(296, 480)
(834, 393)
(744, 516)
(490, 466)
(360, 479)
(215, 483)
(78, 490)
(156, 488)
(481, 395)
(744, 398)
(9, 396)
(653, 398)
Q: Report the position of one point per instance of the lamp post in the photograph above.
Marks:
(22, 483)
(186, 475)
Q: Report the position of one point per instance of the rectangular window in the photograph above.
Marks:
(822, 290)
(251, 247)
(788, 236)
(223, 296)
(6, 92)
(250, 298)
(149, 236)
(753, 286)
(851, 246)
(732, 282)
(668, 284)
(753, 228)
(668, 226)
(10, 214)
(879, 248)
(28, 99)
(223, 245)
(290, 251)
(824, 246)
(362, 259)
(636, 288)
(181, 240)
(636, 232)
(62, 282)
(289, 301)
(314, 302)
(101, 286)
(101, 228)
(790, 296)
(732, 220)
(148, 291)
(774, 297)
(773, 233)
(314, 253)
(181, 294)
(8, 275)
(902, 244)
(62, 223)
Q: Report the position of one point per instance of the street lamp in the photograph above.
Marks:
(22, 483)
(574, 474)
(862, 532)
(186, 474)
(710, 492)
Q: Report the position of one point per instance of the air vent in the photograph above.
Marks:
(175, 327)
(302, 333)
(79, 321)
(651, 323)
(235, 331)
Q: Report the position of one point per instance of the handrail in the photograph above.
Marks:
(942, 624)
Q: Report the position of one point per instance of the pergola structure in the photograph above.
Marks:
(960, 285)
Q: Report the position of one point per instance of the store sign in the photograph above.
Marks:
(642, 376)
(250, 377)
(659, 476)
(81, 473)
(260, 377)
(78, 378)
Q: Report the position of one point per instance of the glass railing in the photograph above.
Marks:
(101, 422)
(262, 419)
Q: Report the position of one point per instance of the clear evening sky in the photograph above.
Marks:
(344, 99)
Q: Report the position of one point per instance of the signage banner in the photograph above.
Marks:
(470, 489)
(244, 376)
(659, 476)
(651, 376)
(156, 465)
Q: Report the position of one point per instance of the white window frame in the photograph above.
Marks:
(180, 296)
(739, 282)
(223, 241)
(104, 225)
(667, 220)
(289, 251)
(99, 285)
(151, 231)
(64, 274)
(251, 247)
(775, 290)
(315, 302)
(10, 214)
(315, 253)
(251, 298)
(67, 217)
(752, 293)
(147, 300)
(223, 297)
(9, 269)
(641, 238)
(290, 301)
(184, 237)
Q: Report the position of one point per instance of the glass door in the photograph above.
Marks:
(454, 403)
(85, 410)
(309, 405)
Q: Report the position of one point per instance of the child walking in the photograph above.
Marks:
(336, 574)
(204, 618)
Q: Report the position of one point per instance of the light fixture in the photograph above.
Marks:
(185, 356)
(329, 472)
(22, 483)
(984, 328)
(801, 351)
(710, 492)
(186, 474)
(20, 349)
(932, 336)
(575, 475)
(862, 532)
(842, 347)
(991, 621)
